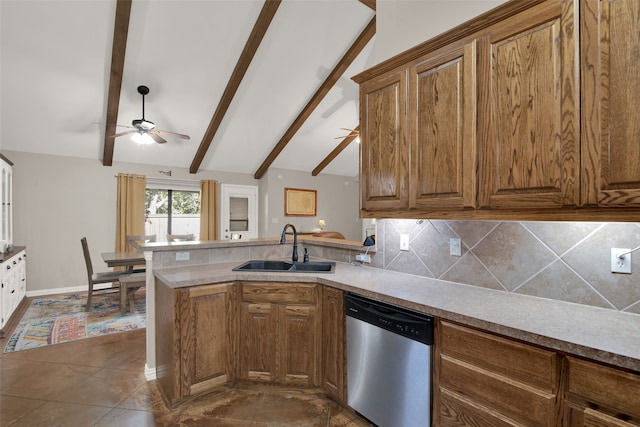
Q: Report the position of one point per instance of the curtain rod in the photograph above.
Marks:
(174, 180)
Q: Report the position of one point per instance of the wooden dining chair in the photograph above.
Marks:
(96, 278)
(180, 237)
(129, 284)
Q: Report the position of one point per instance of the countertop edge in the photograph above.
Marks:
(603, 335)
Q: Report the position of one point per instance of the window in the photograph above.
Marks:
(172, 212)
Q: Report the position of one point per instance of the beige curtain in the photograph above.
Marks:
(130, 216)
(208, 210)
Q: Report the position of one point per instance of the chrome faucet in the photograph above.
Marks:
(283, 240)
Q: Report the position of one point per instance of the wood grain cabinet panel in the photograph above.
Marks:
(599, 395)
(280, 333)
(384, 155)
(208, 328)
(610, 49)
(298, 340)
(258, 329)
(195, 339)
(489, 380)
(529, 120)
(443, 118)
(333, 349)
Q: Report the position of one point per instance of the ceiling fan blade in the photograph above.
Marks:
(127, 132)
(157, 138)
(177, 135)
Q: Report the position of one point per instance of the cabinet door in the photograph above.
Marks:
(333, 344)
(297, 336)
(258, 325)
(207, 328)
(528, 111)
(384, 156)
(443, 171)
(610, 89)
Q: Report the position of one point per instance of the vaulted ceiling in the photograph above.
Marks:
(256, 84)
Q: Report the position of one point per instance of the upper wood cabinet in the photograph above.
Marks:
(384, 159)
(527, 112)
(610, 49)
(442, 93)
(528, 122)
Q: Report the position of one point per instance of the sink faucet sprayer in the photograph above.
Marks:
(283, 240)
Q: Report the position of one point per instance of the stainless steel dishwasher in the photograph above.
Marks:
(389, 353)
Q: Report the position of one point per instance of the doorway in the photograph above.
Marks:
(238, 211)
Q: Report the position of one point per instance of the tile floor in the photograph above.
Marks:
(100, 382)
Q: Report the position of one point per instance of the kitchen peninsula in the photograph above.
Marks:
(566, 333)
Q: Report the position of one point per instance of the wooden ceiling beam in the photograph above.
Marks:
(251, 46)
(369, 3)
(344, 144)
(120, 32)
(355, 49)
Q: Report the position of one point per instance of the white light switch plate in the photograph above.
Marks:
(455, 247)
(404, 242)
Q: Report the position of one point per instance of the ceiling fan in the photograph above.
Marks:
(143, 131)
(352, 133)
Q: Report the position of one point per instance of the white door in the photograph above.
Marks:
(238, 212)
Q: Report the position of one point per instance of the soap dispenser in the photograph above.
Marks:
(305, 257)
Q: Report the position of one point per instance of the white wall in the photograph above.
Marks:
(402, 24)
(58, 200)
(338, 203)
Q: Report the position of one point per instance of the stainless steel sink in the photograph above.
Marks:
(285, 266)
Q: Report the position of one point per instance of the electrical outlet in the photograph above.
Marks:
(182, 256)
(404, 242)
(621, 260)
(455, 247)
(363, 258)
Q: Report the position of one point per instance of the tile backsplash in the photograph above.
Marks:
(568, 261)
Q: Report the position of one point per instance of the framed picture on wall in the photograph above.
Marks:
(299, 202)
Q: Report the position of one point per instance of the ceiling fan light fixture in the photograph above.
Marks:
(141, 138)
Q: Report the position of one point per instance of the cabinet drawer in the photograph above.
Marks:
(513, 399)
(279, 292)
(604, 386)
(524, 363)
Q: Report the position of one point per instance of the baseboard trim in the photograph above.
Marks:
(68, 290)
(150, 373)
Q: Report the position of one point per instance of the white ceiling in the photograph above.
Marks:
(56, 55)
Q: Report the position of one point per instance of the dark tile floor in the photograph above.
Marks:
(100, 382)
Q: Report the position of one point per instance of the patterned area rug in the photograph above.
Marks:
(62, 318)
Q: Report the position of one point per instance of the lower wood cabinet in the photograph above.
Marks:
(600, 396)
(195, 339)
(486, 380)
(483, 379)
(333, 352)
(279, 333)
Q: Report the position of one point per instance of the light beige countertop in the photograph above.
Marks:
(596, 333)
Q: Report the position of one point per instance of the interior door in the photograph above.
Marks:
(239, 212)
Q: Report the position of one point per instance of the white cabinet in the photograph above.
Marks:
(14, 284)
(6, 214)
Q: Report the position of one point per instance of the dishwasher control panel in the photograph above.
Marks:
(407, 323)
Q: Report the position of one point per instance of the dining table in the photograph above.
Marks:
(127, 259)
